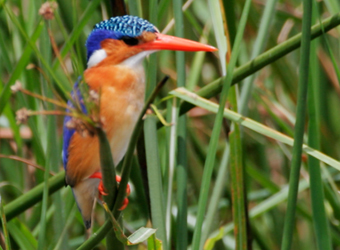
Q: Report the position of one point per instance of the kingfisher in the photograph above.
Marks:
(115, 51)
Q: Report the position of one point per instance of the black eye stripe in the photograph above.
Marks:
(129, 40)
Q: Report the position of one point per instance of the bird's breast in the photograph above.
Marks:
(122, 98)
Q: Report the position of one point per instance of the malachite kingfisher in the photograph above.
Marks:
(115, 51)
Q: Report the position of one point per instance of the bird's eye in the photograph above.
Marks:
(130, 40)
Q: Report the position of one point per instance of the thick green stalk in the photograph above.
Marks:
(181, 166)
(33, 196)
(299, 126)
(238, 185)
(155, 178)
(107, 168)
(210, 161)
(321, 226)
(110, 184)
(237, 190)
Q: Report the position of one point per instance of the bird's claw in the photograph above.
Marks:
(128, 191)
(125, 203)
(102, 191)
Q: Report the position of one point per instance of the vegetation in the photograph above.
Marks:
(222, 171)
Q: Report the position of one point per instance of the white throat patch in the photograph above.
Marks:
(136, 60)
(96, 57)
(132, 62)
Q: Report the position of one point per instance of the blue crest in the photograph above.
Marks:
(116, 28)
(126, 25)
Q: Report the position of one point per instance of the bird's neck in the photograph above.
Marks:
(124, 78)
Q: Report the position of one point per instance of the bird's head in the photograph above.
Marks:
(130, 38)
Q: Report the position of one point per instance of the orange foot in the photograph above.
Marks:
(101, 189)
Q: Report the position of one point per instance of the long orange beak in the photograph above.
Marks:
(166, 42)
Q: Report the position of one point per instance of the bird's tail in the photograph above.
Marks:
(85, 193)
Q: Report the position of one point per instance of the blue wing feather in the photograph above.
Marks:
(68, 132)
